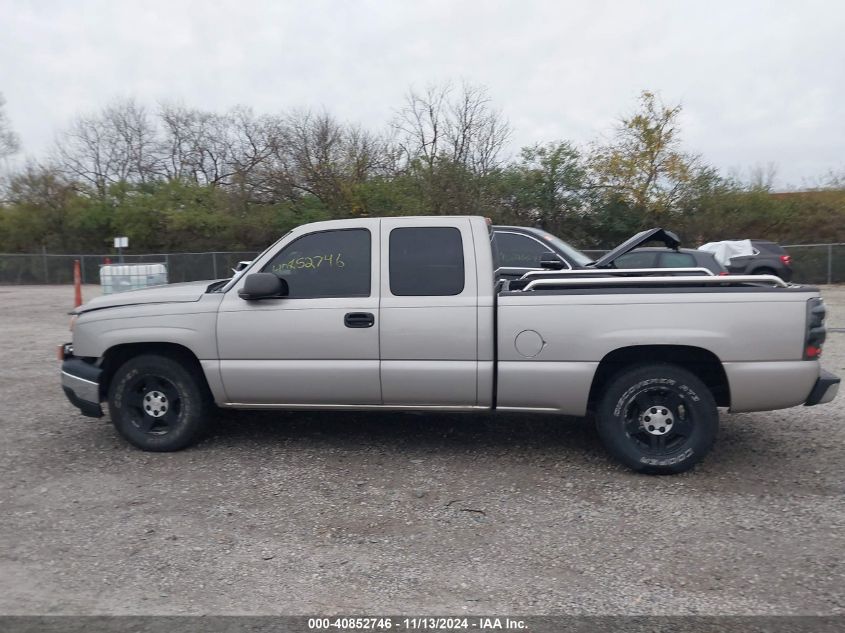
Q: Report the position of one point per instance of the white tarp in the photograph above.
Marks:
(725, 250)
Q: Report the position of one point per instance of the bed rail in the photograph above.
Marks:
(616, 272)
(666, 281)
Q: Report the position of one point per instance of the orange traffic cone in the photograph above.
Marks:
(77, 284)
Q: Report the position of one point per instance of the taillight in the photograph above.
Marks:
(724, 273)
(816, 332)
(786, 259)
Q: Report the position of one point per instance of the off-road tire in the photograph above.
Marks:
(158, 403)
(671, 400)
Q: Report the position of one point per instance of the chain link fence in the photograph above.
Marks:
(818, 263)
(812, 263)
(44, 268)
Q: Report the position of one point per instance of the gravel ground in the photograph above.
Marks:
(400, 513)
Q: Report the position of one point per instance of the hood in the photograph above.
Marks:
(171, 293)
(667, 238)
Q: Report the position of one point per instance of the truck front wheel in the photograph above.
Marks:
(657, 418)
(157, 404)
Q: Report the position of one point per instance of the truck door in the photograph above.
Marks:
(429, 324)
(319, 345)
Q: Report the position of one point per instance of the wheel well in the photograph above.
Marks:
(701, 362)
(763, 270)
(115, 356)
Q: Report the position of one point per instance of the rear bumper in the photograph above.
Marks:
(81, 384)
(825, 389)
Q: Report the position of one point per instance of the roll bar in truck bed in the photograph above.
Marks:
(635, 277)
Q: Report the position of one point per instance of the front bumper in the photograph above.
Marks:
(825, 389)
(81, 384)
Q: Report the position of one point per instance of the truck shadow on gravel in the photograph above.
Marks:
(751, 452)
(755, 448)
(567, 438)
(440, 431)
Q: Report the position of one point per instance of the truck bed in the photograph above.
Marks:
(552, 339)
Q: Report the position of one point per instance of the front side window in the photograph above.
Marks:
(326, 264)
(426, 261)
(518, 251)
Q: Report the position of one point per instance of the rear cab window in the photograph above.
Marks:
(426, 261)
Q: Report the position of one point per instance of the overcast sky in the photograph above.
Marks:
(760, 82)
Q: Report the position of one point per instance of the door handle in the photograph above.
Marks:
(359, 319)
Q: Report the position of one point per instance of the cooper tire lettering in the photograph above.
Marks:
(657, 418)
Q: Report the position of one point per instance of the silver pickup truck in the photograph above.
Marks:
(406, 314)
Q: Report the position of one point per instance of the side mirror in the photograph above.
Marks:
(550, 261)
(263, 286)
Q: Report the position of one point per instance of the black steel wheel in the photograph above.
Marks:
(157, 404)
(657, 418)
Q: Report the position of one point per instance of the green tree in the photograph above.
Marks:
(545, 188)
(644, 166)
(41, 210)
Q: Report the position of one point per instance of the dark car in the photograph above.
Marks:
(655, 257)
(769, 258)
(519, 250)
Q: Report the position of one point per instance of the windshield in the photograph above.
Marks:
(239, 274)
(570, 252)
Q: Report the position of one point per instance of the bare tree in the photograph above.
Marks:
(254, 141)
(215, 149)
(461, 127)
(135, 139)
(449, 141)
(419, 125)
(320, 156)
(178, 148)
(450, 138)
(762, 177)
(9, 141)
(118, 144)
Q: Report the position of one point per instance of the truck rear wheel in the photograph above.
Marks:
(657, 418)
(157, 404)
